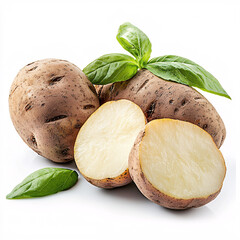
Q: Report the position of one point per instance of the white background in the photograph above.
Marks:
(206, 32)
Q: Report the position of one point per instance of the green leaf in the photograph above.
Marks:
(182, 70)
(44, 182)
(136, 42)
(111, 68)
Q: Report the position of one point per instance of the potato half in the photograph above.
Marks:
(104, 142)
(176, 164)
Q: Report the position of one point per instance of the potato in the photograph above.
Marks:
(176, 164)
(165, 99)
(49, 101)
(104, 142)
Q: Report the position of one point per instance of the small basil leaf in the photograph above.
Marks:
(111, 68)
(185, 71)
(136, 42)
(44, 182)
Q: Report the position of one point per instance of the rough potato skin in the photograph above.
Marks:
(109, 183)
(154, 194)
(49, 101)
(159, 98)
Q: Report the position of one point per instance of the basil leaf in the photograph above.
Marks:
(136, 42)
(185, 71)
(44, 182)
(111, 68)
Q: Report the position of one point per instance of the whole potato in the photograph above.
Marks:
(159, 98)
(49, 101)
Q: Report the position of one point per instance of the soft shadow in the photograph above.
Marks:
(49, 163)
(128, 192)
(190, 213)
(131, 193)
(71, 165)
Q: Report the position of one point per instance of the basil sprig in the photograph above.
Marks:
(112, 68)
(136, 42)
(117, 67)
(44, 182)
(185, 71)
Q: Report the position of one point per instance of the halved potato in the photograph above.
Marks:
(104, 142)
(176, 164)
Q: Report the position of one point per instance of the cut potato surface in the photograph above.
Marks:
(104, 142)
(177, 164)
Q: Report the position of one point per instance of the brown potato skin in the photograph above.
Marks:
(153, 194)
(49, 101)
(159, 98)
(109, 183)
